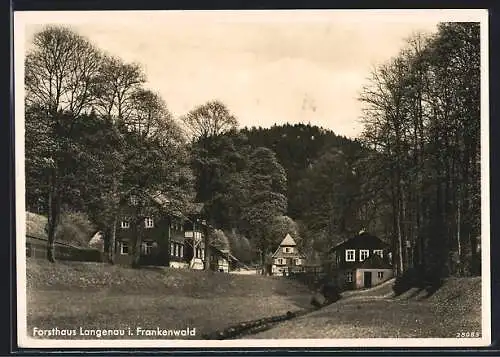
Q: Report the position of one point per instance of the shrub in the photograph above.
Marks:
(418, 277)
(406, 281)
(76, 254)
(331, 292)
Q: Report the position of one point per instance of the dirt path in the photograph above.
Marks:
(373, 314)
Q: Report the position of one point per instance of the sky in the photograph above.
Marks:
(268, 67)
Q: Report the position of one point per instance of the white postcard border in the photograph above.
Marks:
(21, 19)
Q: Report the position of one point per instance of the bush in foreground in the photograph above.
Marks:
(418, 277)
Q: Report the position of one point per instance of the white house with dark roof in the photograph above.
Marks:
(361, 261)
(287, 258)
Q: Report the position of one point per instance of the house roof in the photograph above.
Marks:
(195, 208)
(223, 253)
(280, 254)
(363, 240)
(159, 198)
(35, 225)
(163, 200)
(288, 241)
(33, 239)
(374, 261)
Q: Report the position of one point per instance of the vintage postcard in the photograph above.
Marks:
(252, 178)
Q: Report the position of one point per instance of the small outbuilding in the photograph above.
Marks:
(361, 262)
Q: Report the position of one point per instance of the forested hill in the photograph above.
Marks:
(298, 147)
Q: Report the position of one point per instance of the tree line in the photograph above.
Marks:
(422, 124)
(95, 134)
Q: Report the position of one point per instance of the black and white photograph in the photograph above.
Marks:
(271, 178)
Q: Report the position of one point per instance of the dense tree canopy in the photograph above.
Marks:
(95, 133)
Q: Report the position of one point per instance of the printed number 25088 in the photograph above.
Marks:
(468, 334)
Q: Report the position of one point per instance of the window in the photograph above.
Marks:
(177, 250)
(350, 255)
(279, 261)
(378, 252)
(181, 251)
(288, 249)
(133, 200)
(125, 224)
(348, 276)
(147, 248)
(171, 248)
(148, 222)
(363, 254)
(380, 274)
(124, 248)
(297, 262)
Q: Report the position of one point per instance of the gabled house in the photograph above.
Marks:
(165, 240)
(287, 258)
(362, 261)
(174, 241)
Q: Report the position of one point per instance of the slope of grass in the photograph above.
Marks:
(98, 296)
(35, 225)
(74, 229)
(89, 276)
(453, 309)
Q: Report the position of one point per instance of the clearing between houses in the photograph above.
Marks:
(74, 295)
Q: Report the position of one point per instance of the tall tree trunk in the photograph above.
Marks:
(136, 260)
(394, 239)
(106, 234)
(54, 203)
(112, 230)
(168, 239)
(446, 227)
(207, 247)
(262, 265)
(112, 241)
(459, 238)
(399, 207)
(400, 237)
(139, 230)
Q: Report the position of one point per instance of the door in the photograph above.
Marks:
(368, 279)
